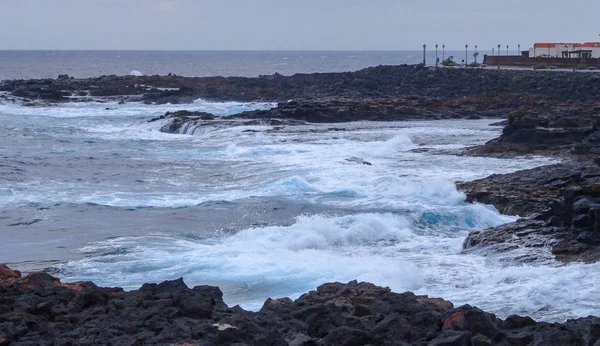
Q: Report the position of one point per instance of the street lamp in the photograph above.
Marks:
(493, 51)
(519, 51)
(506, 49)
(498, 50)
(475, 54)
(443, 52)
(437, 59)
(424, 60)
(466, 54)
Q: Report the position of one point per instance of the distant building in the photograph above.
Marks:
(566, 50)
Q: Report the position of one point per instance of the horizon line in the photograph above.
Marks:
(429, 48)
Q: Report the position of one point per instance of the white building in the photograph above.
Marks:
(566, 50)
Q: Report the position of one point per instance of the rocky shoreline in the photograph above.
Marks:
(37, 309)
(559, 204)
(511, 88)
(547, 113)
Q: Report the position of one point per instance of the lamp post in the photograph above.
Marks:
(424, 60)
(506, 49)
(437, 59)
(443, 52)
(498, 50)
(475, 54)
(466, 54)
(519, 49)
(493, 51)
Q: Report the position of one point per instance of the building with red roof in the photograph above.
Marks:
(565, 50)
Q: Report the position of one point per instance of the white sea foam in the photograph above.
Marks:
(269, 165)
(399, 222)
(385, 249)
(130, 109)
(136, 73)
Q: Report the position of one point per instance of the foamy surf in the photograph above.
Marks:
(390, 250)
(263, 213)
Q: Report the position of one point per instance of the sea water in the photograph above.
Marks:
(93, 191)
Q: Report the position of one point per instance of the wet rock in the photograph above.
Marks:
(560, 206)
(180, 121)
(358, 160)
(337, 110)
(528, 191)
(564, 129)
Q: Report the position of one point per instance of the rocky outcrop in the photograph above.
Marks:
(333, 110)
(38, 309)
(179, 119)
(191, 123)
(336, 110)
(560, 205)
(528, 191)
(559, 202)
(509, 86)
(561, 129)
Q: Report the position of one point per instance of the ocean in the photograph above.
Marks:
(93, 191)
(81, 64)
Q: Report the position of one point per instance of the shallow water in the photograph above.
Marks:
(95, 194)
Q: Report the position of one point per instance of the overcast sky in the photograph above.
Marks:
(292, 24)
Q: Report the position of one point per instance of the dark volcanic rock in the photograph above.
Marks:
(562, 128)
(181, 120)
(510, 87)
(528, 191)
(39, 310)
(334, 110)
(561, 206)
(359, 160)
(187, 122)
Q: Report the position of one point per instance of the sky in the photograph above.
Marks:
(292, 24)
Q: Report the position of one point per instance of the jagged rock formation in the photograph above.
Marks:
(560, 205)
(333, 110)
(38, 309)
(563, 129)
(511, 86)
